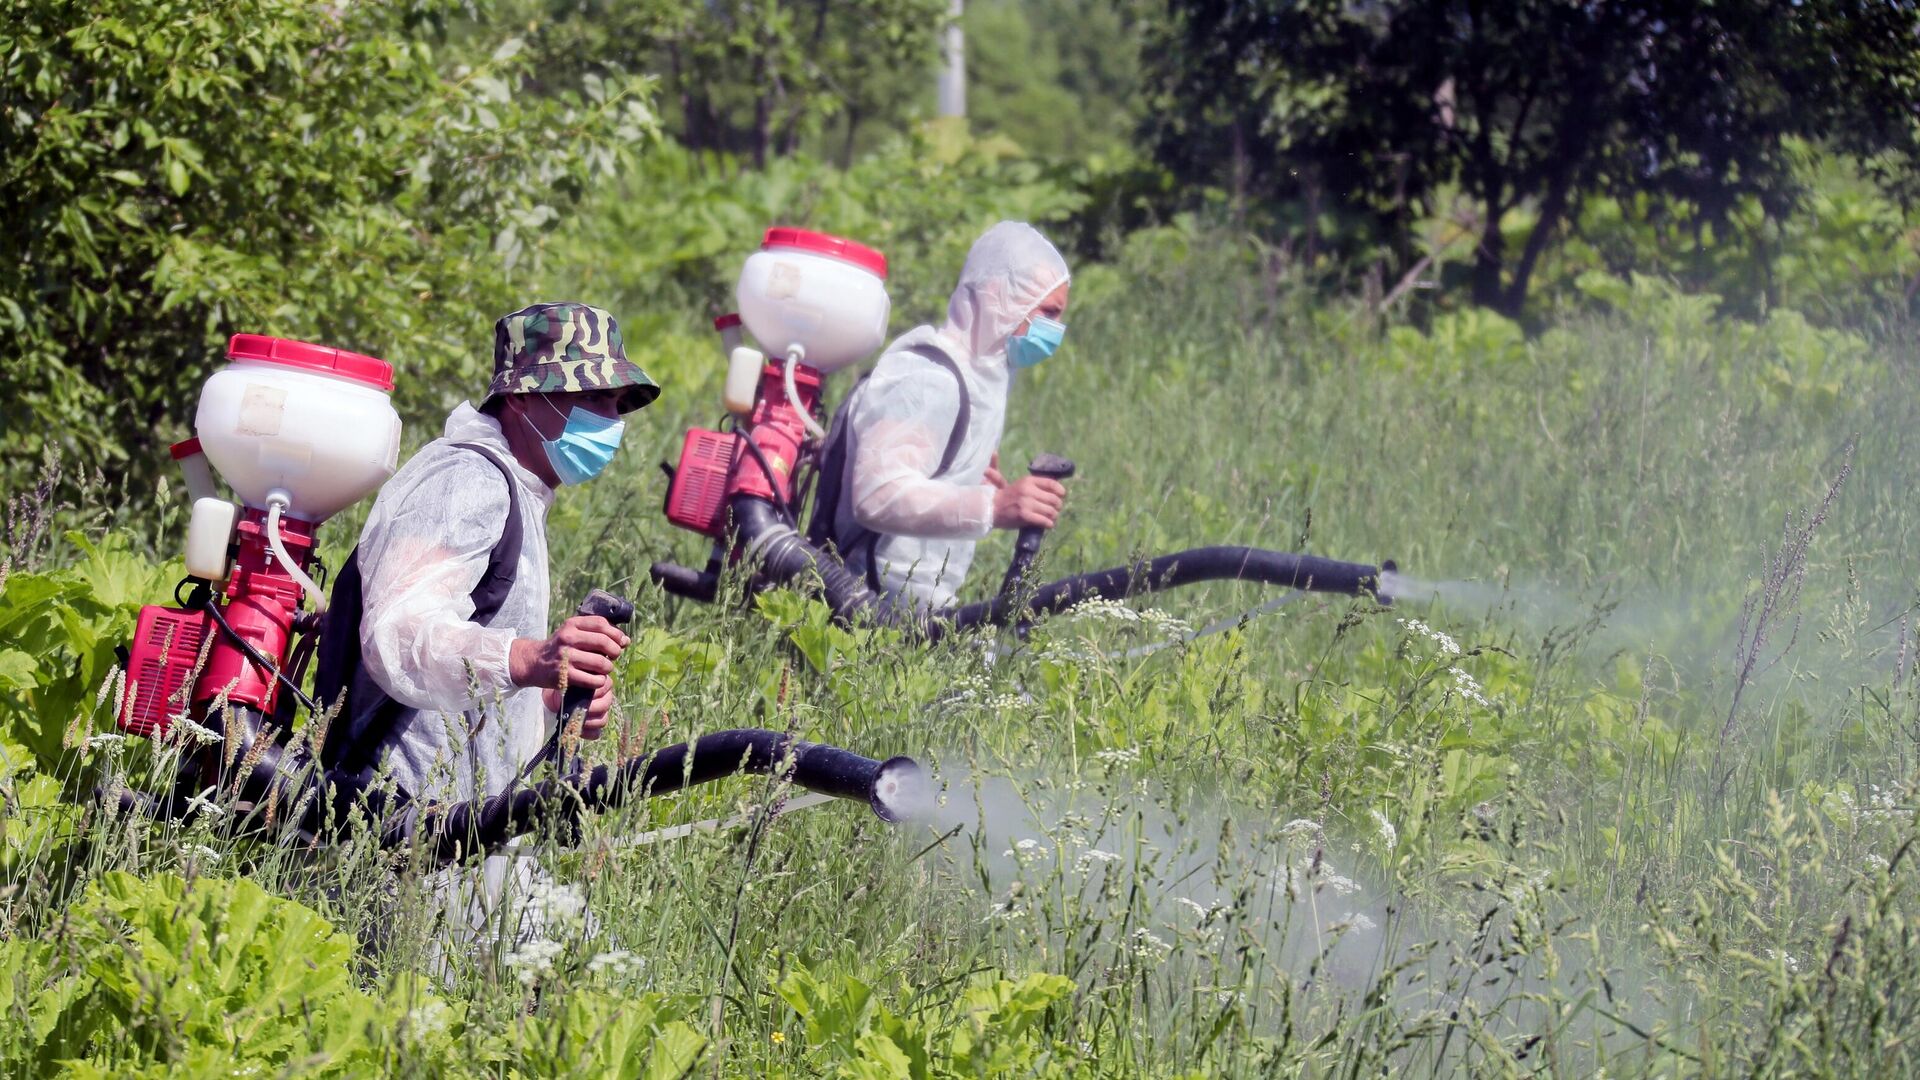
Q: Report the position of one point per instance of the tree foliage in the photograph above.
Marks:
(759, 79)
(172, 172)
(1380, 109)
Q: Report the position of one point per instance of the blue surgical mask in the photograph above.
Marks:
(1043, 336)
(585, 446)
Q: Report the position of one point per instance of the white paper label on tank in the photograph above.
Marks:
(261, 410)
(783, 281)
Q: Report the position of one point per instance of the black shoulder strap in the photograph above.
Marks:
(503, 563)
(961, 420)
(834, 464)
(338, 657)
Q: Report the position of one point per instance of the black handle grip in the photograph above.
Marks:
(616, 610)
(1027, 545)
(1050, 465)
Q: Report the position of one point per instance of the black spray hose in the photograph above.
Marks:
(1310, 572)
(895, 789)
(784, 555)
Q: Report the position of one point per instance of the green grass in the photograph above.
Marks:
(1297, 848)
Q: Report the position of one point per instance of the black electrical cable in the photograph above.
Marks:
(206, 604)
(779, 501)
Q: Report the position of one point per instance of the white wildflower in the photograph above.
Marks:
(1200, 911)
(1113, 759)
(1467, 687)
(1026, 849)
(619, 962)
(1091, 856)
(1872, 807)
(558, 905)
(429, 1019)
(1101, 609)
(1788, 960)
(203, 804)
(1007, 703)
(1388, 834)
(1300, 827)
(105, 738)
(1878, 863)
(1446, 644)
(200, 733)
(1304, 874)
(1167, 625)
(1009, 908)
(1354, 920)
(1149, 946)
(533, 961)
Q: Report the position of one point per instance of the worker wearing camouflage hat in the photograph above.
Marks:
(458, 678)
(457, 682)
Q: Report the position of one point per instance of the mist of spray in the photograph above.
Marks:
(1206, 877)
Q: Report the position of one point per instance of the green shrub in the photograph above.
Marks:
(173, 172)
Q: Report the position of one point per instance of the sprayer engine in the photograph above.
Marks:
(817, 303)
(299, 432)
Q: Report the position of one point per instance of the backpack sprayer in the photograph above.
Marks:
(300, 432)
(818, 303)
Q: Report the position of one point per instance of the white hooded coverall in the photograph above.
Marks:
(905, 413)
(425, 547)
(469, 731)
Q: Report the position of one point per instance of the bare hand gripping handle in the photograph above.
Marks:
(1053, 467)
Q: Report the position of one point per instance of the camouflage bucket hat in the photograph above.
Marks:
(556, 348)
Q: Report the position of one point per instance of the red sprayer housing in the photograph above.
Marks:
(777, 430)
(716, 465)
(815, 303)
(166, 649)
(262, 600)
(697, 497)
(261, 603)
(271, 413)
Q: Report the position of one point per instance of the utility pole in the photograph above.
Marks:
(953, 77)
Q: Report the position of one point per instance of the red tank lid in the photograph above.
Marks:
(185, 448)
(832, 246)
(306, 356)
(728, 321)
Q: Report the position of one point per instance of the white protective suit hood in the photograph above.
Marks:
(1008, 271)
(907, 410)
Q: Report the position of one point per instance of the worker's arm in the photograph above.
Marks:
(902, 427)
(421, 557)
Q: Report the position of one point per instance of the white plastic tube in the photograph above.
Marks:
(276, 502)
(793, 395)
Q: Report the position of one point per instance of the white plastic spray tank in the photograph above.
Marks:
(814, 299)
(298, 430)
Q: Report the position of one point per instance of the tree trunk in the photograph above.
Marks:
(1553, 210)
(1489, 258)
(853, 126)
(762, 112)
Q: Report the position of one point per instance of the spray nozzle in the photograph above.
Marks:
(1386, 582)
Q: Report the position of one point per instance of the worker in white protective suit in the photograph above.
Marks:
(922, 481)
(458, 681)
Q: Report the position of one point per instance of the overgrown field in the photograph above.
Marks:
(1624, 783)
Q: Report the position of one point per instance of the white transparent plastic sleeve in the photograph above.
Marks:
(416, 637)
